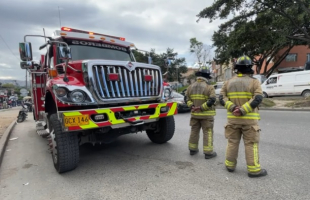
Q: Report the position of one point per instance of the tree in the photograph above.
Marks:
(261, 29)
(200, 50)
(177, 66)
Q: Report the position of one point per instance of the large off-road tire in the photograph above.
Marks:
(65, 146)
(165, 130)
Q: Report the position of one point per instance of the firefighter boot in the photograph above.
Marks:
(191, 152)
(262, 172)
(212, 155)
(230, 170)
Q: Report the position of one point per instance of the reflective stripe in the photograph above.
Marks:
(255, 149)
(206, 148)
(72, 114)
(247, 116)
(256, 167)
(205, 113)
(209, 147)
(247, 107)
(189, 103)
(90, 125)
(193, 146)
(241, 95)
(243, 117)
(198, 97)
(240, 75)
(229, 163)
(228, 104)
(205, 106)
(111, 118)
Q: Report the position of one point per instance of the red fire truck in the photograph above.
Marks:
(88, 88)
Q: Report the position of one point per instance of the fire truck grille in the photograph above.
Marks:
(130, 84)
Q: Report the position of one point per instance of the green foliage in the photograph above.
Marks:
(8, 85)
(200, 50)
(159, 60)
(258, 27)
(267, 103)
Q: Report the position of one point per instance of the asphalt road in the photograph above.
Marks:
(134, 168)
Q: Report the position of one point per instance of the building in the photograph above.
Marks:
(223, 72)
(294, 61)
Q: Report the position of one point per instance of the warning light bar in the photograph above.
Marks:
(90, 33)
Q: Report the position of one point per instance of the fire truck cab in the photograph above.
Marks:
(88, 88)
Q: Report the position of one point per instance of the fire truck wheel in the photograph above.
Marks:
(165, 133)
(64, 146)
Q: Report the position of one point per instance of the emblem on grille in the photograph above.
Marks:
(130, 66)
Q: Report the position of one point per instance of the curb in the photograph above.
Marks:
(4, 139)
(279, 109)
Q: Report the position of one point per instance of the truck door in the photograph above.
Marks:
(286, 84)
(271, 86)
(38, 89)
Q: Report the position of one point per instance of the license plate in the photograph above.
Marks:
(78, 120)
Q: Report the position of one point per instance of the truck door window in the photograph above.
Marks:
(50, 57)
(272, 80)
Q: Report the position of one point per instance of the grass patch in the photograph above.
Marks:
(299, 103)
(267, 103)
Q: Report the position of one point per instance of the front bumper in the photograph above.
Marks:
(115, 122)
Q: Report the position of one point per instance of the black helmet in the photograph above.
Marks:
(244, 65)
(204, 72)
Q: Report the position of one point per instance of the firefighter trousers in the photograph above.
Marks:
(250, 135)
(207, 129)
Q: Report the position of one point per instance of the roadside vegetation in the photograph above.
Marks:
(299, 103)
(267, 103)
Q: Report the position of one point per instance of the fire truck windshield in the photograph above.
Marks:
(82, 50)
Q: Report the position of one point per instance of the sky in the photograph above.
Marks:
(156, 24)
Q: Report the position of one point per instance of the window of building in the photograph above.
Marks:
(291, 57)
(308, 56)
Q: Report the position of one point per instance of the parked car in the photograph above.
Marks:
(218, 86)
(292, 83)
(179, 98)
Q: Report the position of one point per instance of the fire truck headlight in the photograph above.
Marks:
(77, 96)
(61, 92)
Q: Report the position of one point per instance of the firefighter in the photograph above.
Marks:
(241, 96)
(200, 98)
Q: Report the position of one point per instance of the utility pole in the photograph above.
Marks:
(26, 79)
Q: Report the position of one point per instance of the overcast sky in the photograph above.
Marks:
(149, 24)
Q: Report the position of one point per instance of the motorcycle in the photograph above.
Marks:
(22, 115)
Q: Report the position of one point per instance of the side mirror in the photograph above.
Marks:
(26, 65)
(64, 53)
(25, 51)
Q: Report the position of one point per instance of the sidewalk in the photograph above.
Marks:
(6, 118)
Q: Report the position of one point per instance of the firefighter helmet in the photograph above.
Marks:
(244, 65)
(204, 72)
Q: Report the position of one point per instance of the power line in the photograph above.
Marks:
(8, 47)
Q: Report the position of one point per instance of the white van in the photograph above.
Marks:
(293, 83)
